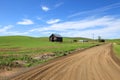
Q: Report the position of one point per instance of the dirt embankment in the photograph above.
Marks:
(97, 63)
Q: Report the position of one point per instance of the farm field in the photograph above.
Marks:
(24, 51)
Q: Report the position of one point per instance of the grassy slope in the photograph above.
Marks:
(116, 46)
(28, 42)
(27, 47)
(117, 50)
(34, 45)
(21, 41)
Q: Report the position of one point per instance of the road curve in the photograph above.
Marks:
(97, 63)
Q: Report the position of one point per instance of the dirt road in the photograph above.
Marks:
(97, 63)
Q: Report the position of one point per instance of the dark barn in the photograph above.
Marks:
(55, 38)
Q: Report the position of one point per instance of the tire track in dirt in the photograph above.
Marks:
(97, 63)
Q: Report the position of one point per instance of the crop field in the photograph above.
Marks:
(23, 51)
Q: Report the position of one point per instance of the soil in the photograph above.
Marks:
(6, 74)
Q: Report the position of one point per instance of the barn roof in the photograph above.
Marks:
(57, 35)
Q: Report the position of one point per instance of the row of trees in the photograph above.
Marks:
(100, 40)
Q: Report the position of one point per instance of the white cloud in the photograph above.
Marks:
(17, 33)
(45, 8)
(39, 18)
(53, 21)
(107, 27)
(25, 22)
(98, 10)
(59, 4)
(6, 28)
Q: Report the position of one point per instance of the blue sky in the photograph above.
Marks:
(71, 18)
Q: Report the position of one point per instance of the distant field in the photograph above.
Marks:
(23, 48)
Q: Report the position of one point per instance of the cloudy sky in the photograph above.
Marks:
(70, 18)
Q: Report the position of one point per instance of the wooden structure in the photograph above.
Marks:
(55, 38)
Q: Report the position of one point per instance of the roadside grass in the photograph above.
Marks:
(116, 46)
(23, 48)
(117, 49)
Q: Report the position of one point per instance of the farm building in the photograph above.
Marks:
(55, 38)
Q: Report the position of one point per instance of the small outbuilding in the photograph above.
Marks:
(55, 38)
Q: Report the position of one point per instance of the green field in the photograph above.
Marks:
(29, 45)
(116, 46)
(117, 49)
(24, 48)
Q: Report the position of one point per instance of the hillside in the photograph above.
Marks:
(32, 50)
(29, 42)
